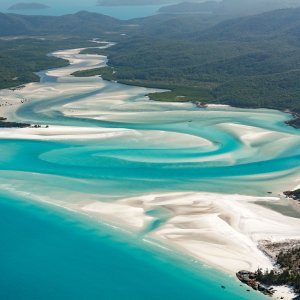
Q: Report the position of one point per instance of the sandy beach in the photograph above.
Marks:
(220, 230)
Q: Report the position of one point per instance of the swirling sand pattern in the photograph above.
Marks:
(166, 170)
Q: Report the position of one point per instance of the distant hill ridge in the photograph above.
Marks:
(249, 61)
(132, 2)
(81, 23)
(275, 23)
(230, 7)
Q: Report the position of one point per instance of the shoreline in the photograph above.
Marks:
(220, 279)
(293, 122)
(184, 211)
(132, 223)
(203, 249)
(196, 227)
(126, 216)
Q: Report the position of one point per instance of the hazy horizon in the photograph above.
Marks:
(57, 7)
(77, 3)
(127, 9)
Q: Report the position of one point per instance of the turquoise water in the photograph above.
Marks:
(49, 255)
(58, 7)
(143, 147)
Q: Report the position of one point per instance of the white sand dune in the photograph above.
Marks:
(221, 230)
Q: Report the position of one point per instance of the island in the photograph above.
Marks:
(132, 2)
(31, 5)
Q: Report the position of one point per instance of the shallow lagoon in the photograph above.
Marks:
(143, 147)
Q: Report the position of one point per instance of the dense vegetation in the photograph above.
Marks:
(289, 273)
(21, 58)
(248, 62)
(82, 23)
(293, 194)
(5, 124)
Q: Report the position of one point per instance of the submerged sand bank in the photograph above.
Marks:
(221, 230)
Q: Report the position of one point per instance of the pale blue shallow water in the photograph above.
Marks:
(46, 253)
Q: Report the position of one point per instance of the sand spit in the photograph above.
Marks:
(220, 230)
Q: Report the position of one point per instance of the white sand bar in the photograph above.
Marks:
(220, 230)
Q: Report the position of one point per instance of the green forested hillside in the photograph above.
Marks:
(20, 58)
(231, 8)
(81, 23)
(270, 26)
(249, 62)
